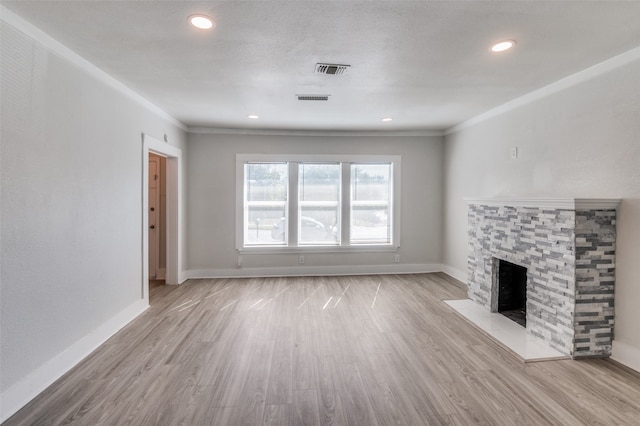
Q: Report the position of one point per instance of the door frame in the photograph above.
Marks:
(173, 209)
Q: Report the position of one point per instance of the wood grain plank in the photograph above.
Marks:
(277, 415)
(305, 408)
(280, 386)
(355, 404)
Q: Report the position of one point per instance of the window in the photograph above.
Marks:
(315, 202)
(370, 203)
(319, 188)
(265, 194)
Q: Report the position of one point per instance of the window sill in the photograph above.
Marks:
(319, 249)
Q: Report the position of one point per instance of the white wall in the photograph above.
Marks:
(212, 216)
(582, 141)
(71, 209)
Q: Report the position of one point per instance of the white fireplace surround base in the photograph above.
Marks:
(527, 347)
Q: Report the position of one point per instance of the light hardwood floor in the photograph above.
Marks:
(375, 350)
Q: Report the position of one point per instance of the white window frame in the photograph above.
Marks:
(293, 160)
(245, 212)
(364, 203)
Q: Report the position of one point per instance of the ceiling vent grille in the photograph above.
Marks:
(331, 69)
(313, 97)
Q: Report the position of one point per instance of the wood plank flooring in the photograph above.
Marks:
(374, 350)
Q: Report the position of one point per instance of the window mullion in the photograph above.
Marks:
(345, 208)
(245, 204)
(293, 204)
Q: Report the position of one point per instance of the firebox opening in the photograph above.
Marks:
(512, 292)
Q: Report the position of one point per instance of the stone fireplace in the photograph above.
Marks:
(566, 248)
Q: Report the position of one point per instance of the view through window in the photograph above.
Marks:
(319, 190)
(370, 203)
(265, 212)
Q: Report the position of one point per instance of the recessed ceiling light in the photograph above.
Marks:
(201, 21)
(253, 116)
(503, 45)
(387, 119)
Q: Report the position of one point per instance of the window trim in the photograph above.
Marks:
(392, 213)
(292, 160)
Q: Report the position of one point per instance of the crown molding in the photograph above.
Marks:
(558, 86)
(61, 50)
(57, 48)
(550, 203)
(300, 132)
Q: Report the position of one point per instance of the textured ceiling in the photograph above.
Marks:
(427, 64)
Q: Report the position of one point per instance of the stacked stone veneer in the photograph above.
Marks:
(570, 259)
(595, 280)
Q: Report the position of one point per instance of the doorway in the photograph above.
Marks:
(164, 161)
(157, 216)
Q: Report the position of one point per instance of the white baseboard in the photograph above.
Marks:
(18, 395)
(315, 271)
(455, 273)
(626, 354)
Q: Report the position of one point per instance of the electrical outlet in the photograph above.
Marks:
(301, 260)
(397, 258)
(514, 152)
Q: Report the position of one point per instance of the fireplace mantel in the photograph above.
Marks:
(550, 203)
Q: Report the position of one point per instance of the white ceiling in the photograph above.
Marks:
(427, 64)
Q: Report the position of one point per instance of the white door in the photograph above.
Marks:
(154, 215)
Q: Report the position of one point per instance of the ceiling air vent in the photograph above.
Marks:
(313, 97)
(332, 69)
